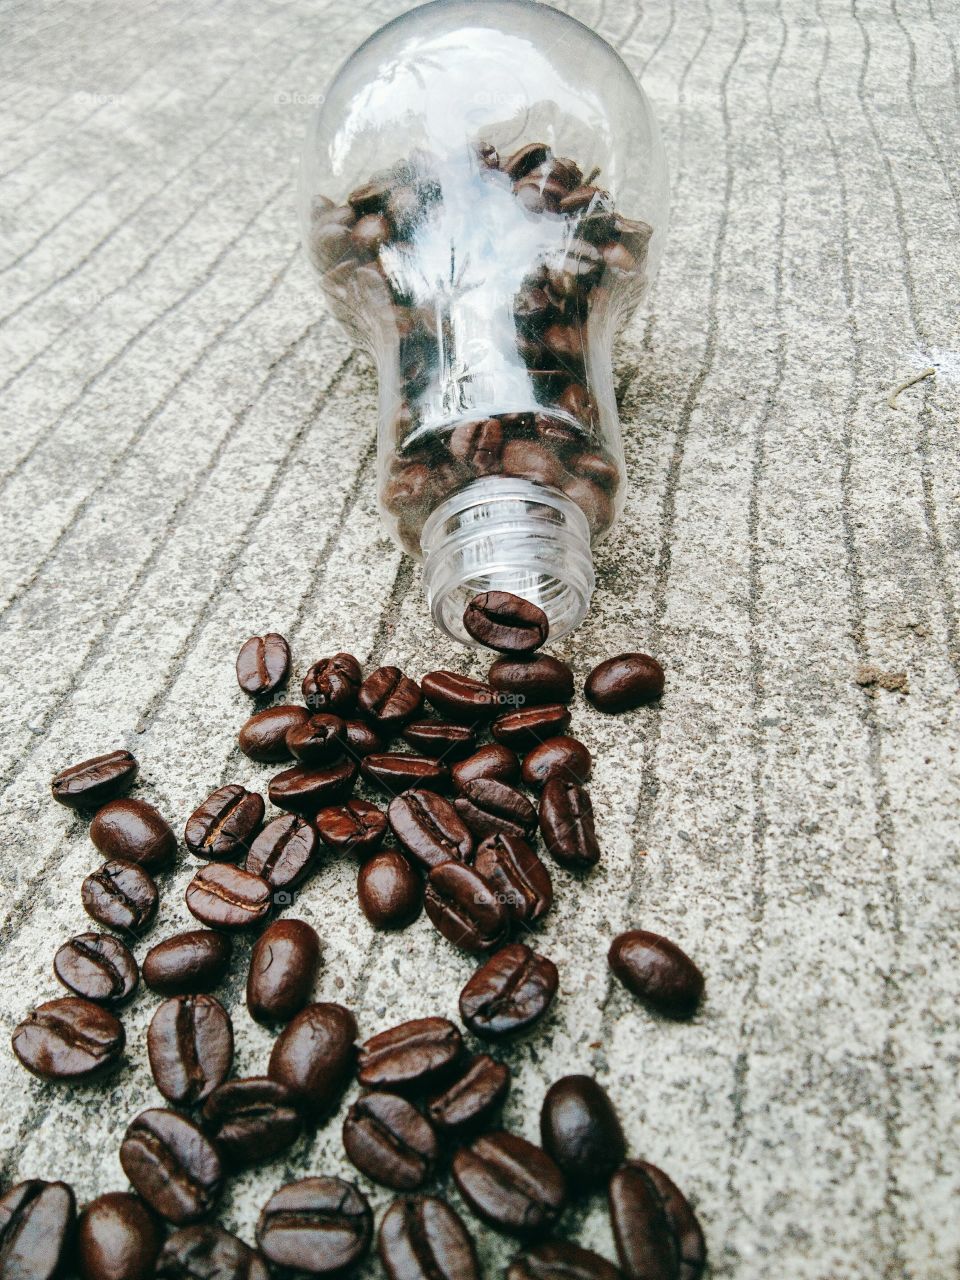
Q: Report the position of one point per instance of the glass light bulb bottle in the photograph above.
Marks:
(483, 195)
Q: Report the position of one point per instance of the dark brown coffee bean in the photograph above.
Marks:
(389, 890)
(656, 1231)
(68, 1039)
(473, 1098)
(460, 697)
(422, 1238)
(510, 1183)
(389, 698)
(396, 771)
(518, 877)
(530, 726)
(283, 968)
(441, 740)
(118, 1238)
(560, 1260)
(190, 1047)
(133, 831)
(562, 757)
(370, 234)
(172, 1165)
(263, 663)
(93, 782)
(120, 895)
(97, 967)
(362, 740)
(222, 828)
(411, 1056)
(357, 827)
(566, 824)
(478, 445)
(580, 1130)
(225, 897)
(319, 740)
(306, 791)
(532, 681)
(36, 1230)
(492, 808)
(313, 1056)
(509, 993)
(332, 684)
(264, 736)
(627, 681)
(315, 1227)
(207, 1252)
(523, 161)
(492, 761)
(284, 852)
(388, 1139)
(503, 621)
(187, 962)
(465, 908)
(251, 1120)
(657, 971)
(429, 828)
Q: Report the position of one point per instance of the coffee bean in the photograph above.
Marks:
(627, 681)
(264, 736)
(396, 771)
(657, 971)
(389, 698)
(517, 876)
(362, 740)
(560, 1260)
(332, 684)
(209, 1253)
(263, 663)
(188, 962)
(305, 791)
(389, 890)
(580, 1130)
(509, 993)
(523, 161)
(313, 1056)
(315, 1227)
(460, 697)
(509, 1183)
(422, 1238)
(172, 1165)
(283, 968)
(561, 757)
(118, 1238)
(133, 831)
(97, 967)
(444, 741)
(429, 828)
(566, 824)
(492, 761)
(411, 1056)
(36, 1230)
(357, 827)
(472, 1098)
(528, 727)
(93, 782)
(532, 681)
(656, 1231)
(223, 826)
(190, 1047)
(388, 1139)
(465, 908)
(251, 1120)
(319, 740)
(503, 621)
(478, 444)
(284, 852)
(226, 897)
(120, 895)
(492, 808)
(68, 1039)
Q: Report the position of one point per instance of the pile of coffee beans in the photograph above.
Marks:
(464, 850)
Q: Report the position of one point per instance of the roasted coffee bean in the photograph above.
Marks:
(356, 827)
(36, 1229)
(172, 1165)
(478, 445)
(133, 831)
(657, 971)
(207, 1252)
(528, 727)
(566, 824)
(656, 1231)
(509, 993)
(306, 791)
(251, 1120)
(93, 782)
(460, 697)
(222, 828)
(518, 877)
(530, 461)
(503, 621)
(532, 681)
(362, 740)
(389, 890)
(319, 740)
(429, 828)
(370, 234)
(97, 967)
(315, 1227)
(283, 968)
(68, 1039)
(465, 908)
(388, 1139)
(314, 1054)
(523, 161)
(190, 1047)
(118, 1238)
(560, 1260)
(389, 698)
(187, 962)
(411, 1056)
(472, 1098)
(332, 684)
(284, 852)
(627, 681)
(395, 771)
(510, 1183)
(226, 897)
(263, 663)
(492, 808)
(580, 1130)
(562, 757)
(120, 895)
(422, 1238)
(442, 740)
(492, 761)
(264, 736)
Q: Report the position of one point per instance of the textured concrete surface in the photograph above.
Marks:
(170, 384)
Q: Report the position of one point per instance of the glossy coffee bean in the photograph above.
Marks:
(188, 962)
(656, 1231)
(319, 740)
(172, 1165)
(207, 1252)
(516, 874)
(465, 908)
(506, 622)
(68, 1039)
(627, 681)
(226, 897)
(491, 761)
(284, 853)
(532, 681)
(283, 968)
(560, 1260)
(222, 828)
(264, 736)
(509, 1183)
(306, 791)
(524, 160)
(263, 663)
(190, 1047)
(460, 697)
(389, 890)
(133, 831)
(479, 445)
(97, 967)
(362, 740)
(332, 684)
(509, 992)
(657, 971)
(429, 828)
(251, 1120)
(395, 772)
(313, 1056)
(388, 698)
(559, 757)
(566, 824)
(315, 1227)
(36, 1229)
(120, 895)
(580, 1130)
(472, 1099)
(492, 808)
(357, 827)
(93, 782)
(422, 1238)
(444, 740)
(411, 1056)
(388, 1139)
(118, 1238)
(530, 726)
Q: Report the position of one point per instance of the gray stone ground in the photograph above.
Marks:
(171, 384)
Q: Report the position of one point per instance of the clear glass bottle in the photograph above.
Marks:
(483, 194)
